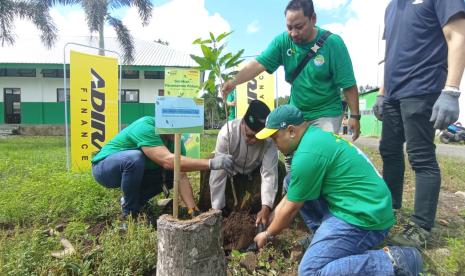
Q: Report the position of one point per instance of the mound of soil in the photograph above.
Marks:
(238, 231)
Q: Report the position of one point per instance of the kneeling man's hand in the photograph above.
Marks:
(263, 216)
(222, 162)
(261, 239)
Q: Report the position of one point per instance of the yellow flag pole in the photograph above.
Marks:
(177, 172)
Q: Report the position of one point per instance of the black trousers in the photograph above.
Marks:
(407, 120)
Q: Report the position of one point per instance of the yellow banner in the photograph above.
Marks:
(94, 106)
(260, 88)
(185, 82)
(182, 82)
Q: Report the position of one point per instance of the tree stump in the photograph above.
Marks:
(191, 247)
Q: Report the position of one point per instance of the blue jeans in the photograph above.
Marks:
(340, 248)
(407, 120)
(126, 170)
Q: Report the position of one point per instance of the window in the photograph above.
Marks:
(8, 72)
(161, 92)
(154, 75)
(130, 74)
(129, 95)
(54, 73)
(61, 96)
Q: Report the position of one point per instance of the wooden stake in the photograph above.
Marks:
(177, 172)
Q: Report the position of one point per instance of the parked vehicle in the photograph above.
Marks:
(453, 133)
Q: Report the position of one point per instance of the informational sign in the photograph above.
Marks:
(94, 106)
(184, 83)
(260, 88)
(178, 115)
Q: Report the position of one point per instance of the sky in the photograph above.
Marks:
(254, 24)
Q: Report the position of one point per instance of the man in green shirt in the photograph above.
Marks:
(341, 197)
(138, 160)
(316, 90)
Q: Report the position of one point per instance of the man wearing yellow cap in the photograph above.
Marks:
(342, 199)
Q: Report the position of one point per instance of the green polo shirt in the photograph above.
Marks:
(232, 109)
(316, 90)
(329, 166)
(140, 133)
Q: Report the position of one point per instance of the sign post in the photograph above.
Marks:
(177, 172)
(180, 111)
(94, 105)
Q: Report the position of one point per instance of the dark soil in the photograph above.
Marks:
(96, 229)
(238, 231)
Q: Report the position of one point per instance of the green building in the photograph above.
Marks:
(370, 126)
(31, 79)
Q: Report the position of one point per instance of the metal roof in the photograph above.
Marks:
(31, 51)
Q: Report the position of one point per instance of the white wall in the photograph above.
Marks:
(148, 89)
(31, 88)
(35, 89)
(40, 89)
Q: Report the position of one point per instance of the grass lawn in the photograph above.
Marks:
(37, 194)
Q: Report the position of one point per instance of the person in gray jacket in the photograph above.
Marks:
(255, 170)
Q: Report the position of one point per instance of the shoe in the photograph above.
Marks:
(122, 203)
(123, 223)
(412, 235)
(407, 261)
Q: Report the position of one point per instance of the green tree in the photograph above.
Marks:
(212, 109)
(220, 67)
(98, 13)
(35, 11)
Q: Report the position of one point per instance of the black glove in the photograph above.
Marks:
(225, 212)
(446, 109)
(378, 107)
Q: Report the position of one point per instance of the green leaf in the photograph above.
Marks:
(197, 41)
(233, 60)
(217, 71)
(236, 253)
(207, 53)
(200, 41)
(211, 87)
(203, 63)
(212, 37)
(224, 58)
(212, 76)
(223, 35)
(237, 63)
(219, 51)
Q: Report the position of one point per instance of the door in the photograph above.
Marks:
(12, 102)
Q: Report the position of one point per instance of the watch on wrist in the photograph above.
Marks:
(355, 116)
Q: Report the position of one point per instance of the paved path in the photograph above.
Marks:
(449, 150)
